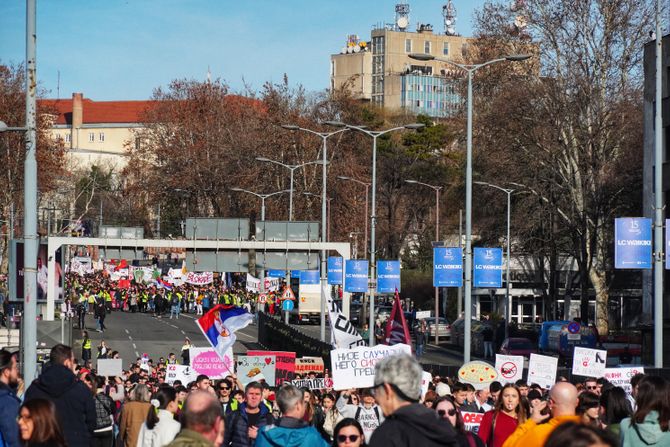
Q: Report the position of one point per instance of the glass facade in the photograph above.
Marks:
(431, 95)
(378, 70)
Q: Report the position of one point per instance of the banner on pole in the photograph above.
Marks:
(488, 267)
(277, 273)
(388, 276)
(356, 275)
(632, 243)
(335, 270)
(343, 332)
(309, 277)
(447, 267)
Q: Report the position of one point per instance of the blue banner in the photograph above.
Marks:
(447, 267)
(295, 274)
(632, 243)
(309, 277)
(356, 275)
(277, 273)
(335, 270)
(388, 276)
(488, 267)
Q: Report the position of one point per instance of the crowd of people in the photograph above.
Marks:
(70, 405)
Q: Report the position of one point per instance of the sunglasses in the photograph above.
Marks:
(343, 438)
(224, 388)
(591, 387)
(451, 412)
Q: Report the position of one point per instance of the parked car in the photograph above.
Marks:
(443, 327)
(517, 346)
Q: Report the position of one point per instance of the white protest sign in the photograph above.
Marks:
(271, 284)
(426, 378)
(542, 370)
(509, 367)
(420, 315)
(199, 278)
(185, 374)
(251, 368)
(253, 284)
(355, 368)
(479, 374)
(110, 367)
(472, 420)
(621, 376)
(207, 361)
(589, 362)
(313, 384)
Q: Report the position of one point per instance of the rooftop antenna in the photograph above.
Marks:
(209, 75)
(402, 16)
(449, 14)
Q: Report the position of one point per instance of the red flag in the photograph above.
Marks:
(122, 265)
(397, 330)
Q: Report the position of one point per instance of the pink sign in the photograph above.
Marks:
(206, 361)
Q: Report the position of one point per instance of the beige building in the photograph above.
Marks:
(382, 72)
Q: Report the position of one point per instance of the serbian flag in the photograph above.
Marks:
(121, 265)
(165, 285)
(220, 324)
(397, 330)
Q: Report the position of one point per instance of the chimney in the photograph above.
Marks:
(77, 110)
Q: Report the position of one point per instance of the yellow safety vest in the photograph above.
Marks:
(87, 343)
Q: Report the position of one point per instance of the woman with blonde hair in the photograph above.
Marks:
(133, 414)
(498, 424)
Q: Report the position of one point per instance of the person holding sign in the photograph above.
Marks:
(498, 424)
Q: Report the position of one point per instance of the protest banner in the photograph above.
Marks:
(175, 273)
(284, 367)
(542, 370)
(253, 284)
(253, 368)
(509, 368)
(271, 284)
(305, 365)
(355, 368)
(478, 374)
(472, 420)
(589, 362)
(426, 378)
(207, 361)
(185, 374)
(110, 367)
(344, 334)
(313, 384)
(199, 278)
(420, 315)
(621, 376)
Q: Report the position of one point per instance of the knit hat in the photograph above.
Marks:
(442, 389)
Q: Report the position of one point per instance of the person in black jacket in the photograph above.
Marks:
(397, 391)
(73, 400)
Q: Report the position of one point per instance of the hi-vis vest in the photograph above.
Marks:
(87, 344)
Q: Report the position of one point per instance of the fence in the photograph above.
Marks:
(275, 335)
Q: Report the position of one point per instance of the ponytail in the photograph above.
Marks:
(159, 401)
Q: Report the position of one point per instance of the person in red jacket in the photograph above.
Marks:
(498, 424)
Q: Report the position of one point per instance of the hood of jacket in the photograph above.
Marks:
(649, 430)
(425, 421)
(290, 432)
(56, 380)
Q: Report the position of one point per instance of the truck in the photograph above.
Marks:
(561, 338)
(308, 304)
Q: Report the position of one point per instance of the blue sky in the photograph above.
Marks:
(123, 49)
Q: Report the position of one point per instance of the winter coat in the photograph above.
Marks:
(9, 410)
(237, 426)
(648, 433)
(75, 408)
(190, 438)
(290, 432)
(133, 415)
(414, 425)
(163, 432)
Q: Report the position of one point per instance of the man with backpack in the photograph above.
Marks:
(368, 414)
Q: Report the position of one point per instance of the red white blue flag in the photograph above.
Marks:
(220, 324)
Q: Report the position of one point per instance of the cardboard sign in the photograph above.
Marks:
(313, 384)
(472, 420)
(420, 315)
(426, 378)
(304, 365)
(621, 376)
(207, 361)
(284, 368)
(355, 368)
(509, 368)
(478, 374)
(185, 374)
(252, 368)
(542, 370)
(110, 367)
(589, 362)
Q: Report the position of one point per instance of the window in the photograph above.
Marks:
(68, 138)
(138, 142)
(430, 104)
(426, 47)
(101, 137)
(408, 45)
(91, 137)
(445, 49)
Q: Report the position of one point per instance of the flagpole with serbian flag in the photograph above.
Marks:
(220, 324)
(397, 330)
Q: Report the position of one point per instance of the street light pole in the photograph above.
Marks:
(508, 304)
(437, 190)
(469, 69)
(324, 233)
(373, 217)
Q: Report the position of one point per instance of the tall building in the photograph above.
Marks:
(381, 71)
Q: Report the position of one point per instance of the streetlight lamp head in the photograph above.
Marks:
(343, 177)
(415, 126)
(236, 189)
(334, 123)
(262, 159)
(518, 57)
(411, 181)
(290, 126)
(3, 126)
(421, 57)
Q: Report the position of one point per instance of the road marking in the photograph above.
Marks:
(184, 333)
(187, 316)
(137, 354)
(130, 338)
(174, 326)
(127, 331)
(134, 346)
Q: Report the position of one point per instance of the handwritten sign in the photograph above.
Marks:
(199, 278)
(355, 368)
(509, 367)
(621, 376)
(305, 365)
(207, 361)
(313, 384)
(589, 362)
(284, 367)
(472, 420)
(542, 370)
(253, 368)
(185, 374)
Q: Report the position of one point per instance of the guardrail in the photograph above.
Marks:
(275, 335)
